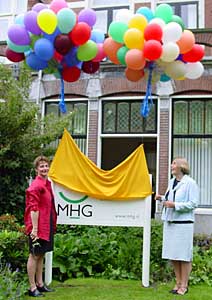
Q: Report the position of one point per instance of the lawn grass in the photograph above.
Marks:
(102, 289)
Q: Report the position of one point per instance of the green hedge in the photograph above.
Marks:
(109, 252)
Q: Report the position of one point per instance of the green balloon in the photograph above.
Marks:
(87, 51)
(18, 48)
(121, 53)
(164, 11)
(117, 30)
(178, 20)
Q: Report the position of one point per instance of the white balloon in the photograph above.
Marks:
(171, 32)
(170, 52)
(175, 69)
(194, 70)
(158, 21)
(123, 15)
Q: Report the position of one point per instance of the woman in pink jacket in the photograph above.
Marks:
(40, 223)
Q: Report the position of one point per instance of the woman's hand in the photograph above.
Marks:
(34, 234)
(158, 197)
(169, 204)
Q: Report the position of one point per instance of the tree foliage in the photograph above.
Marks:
(24, 134)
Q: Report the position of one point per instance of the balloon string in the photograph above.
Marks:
(62, 105)
(147, 102)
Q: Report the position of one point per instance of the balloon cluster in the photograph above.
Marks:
(153, 45)
(55, 39)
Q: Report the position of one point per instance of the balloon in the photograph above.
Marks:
(195, 54)
(134, 38)
(138, 21)
(18, 35)
(172, 32)
(47, 20)
(62, 44)
(178, 20)
(30, 22)
(97, 36)
(170, 52)
(152, 49)
(90, 67)
(57, 5)
(17, 48)
(121, 53)
(175, 69)
(58, 56)
(34, 62)
(19, 19)
(51, 37)
(117, 30)
(111, 47)
(146, 12)
(135, 59)
(123, 15)
(194, 70)
(44, 49)
(39, 6)
(14, 56)
(164, 78)
(71, 74)
(87, 51)
(164, 11)
(100, 54)
(158, 21)
(70, 58)
(153, 32)
(134, 75)
(66, 19)
(186, 42)
(88, 16)
(80, 34)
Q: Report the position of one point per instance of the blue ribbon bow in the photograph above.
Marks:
(147, 102)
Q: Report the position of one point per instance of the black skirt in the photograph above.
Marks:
(41, 246)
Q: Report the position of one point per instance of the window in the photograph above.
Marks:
(192, 138)
(188, 11)
(8, 11)
(124, 117)
(78, 127)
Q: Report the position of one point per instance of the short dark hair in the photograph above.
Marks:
(39, 159)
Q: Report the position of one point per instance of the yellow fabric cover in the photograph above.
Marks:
(73, 170)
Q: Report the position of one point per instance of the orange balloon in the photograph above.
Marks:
(134, 75)
(135, 59)
(186, 41)
(111, 47)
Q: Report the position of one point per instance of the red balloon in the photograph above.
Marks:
(58, 56)
(153, 32)
(71, 74)
(90, 67)
(152, 49)
(62, 44)
(80, 34)
(195, 54)
(14, 56)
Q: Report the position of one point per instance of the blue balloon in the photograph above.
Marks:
(34, 62)
(44, 49)
(97, 36)
(71, 59)
(51, 37)
(146, 12)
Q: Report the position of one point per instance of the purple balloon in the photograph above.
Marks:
(18, 35)
(30, 22)
(87, 15)
(38, 7)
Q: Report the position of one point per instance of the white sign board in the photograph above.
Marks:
(75, 208)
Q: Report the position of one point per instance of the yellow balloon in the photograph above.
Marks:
(138, 21)
(134, 39)
(47, 21)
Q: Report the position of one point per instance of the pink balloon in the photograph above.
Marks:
(100, 54)
(57, 5)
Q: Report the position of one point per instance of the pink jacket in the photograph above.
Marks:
(39, 197)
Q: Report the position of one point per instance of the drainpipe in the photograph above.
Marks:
(38, 87)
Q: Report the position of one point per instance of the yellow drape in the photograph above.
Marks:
(73, 170)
